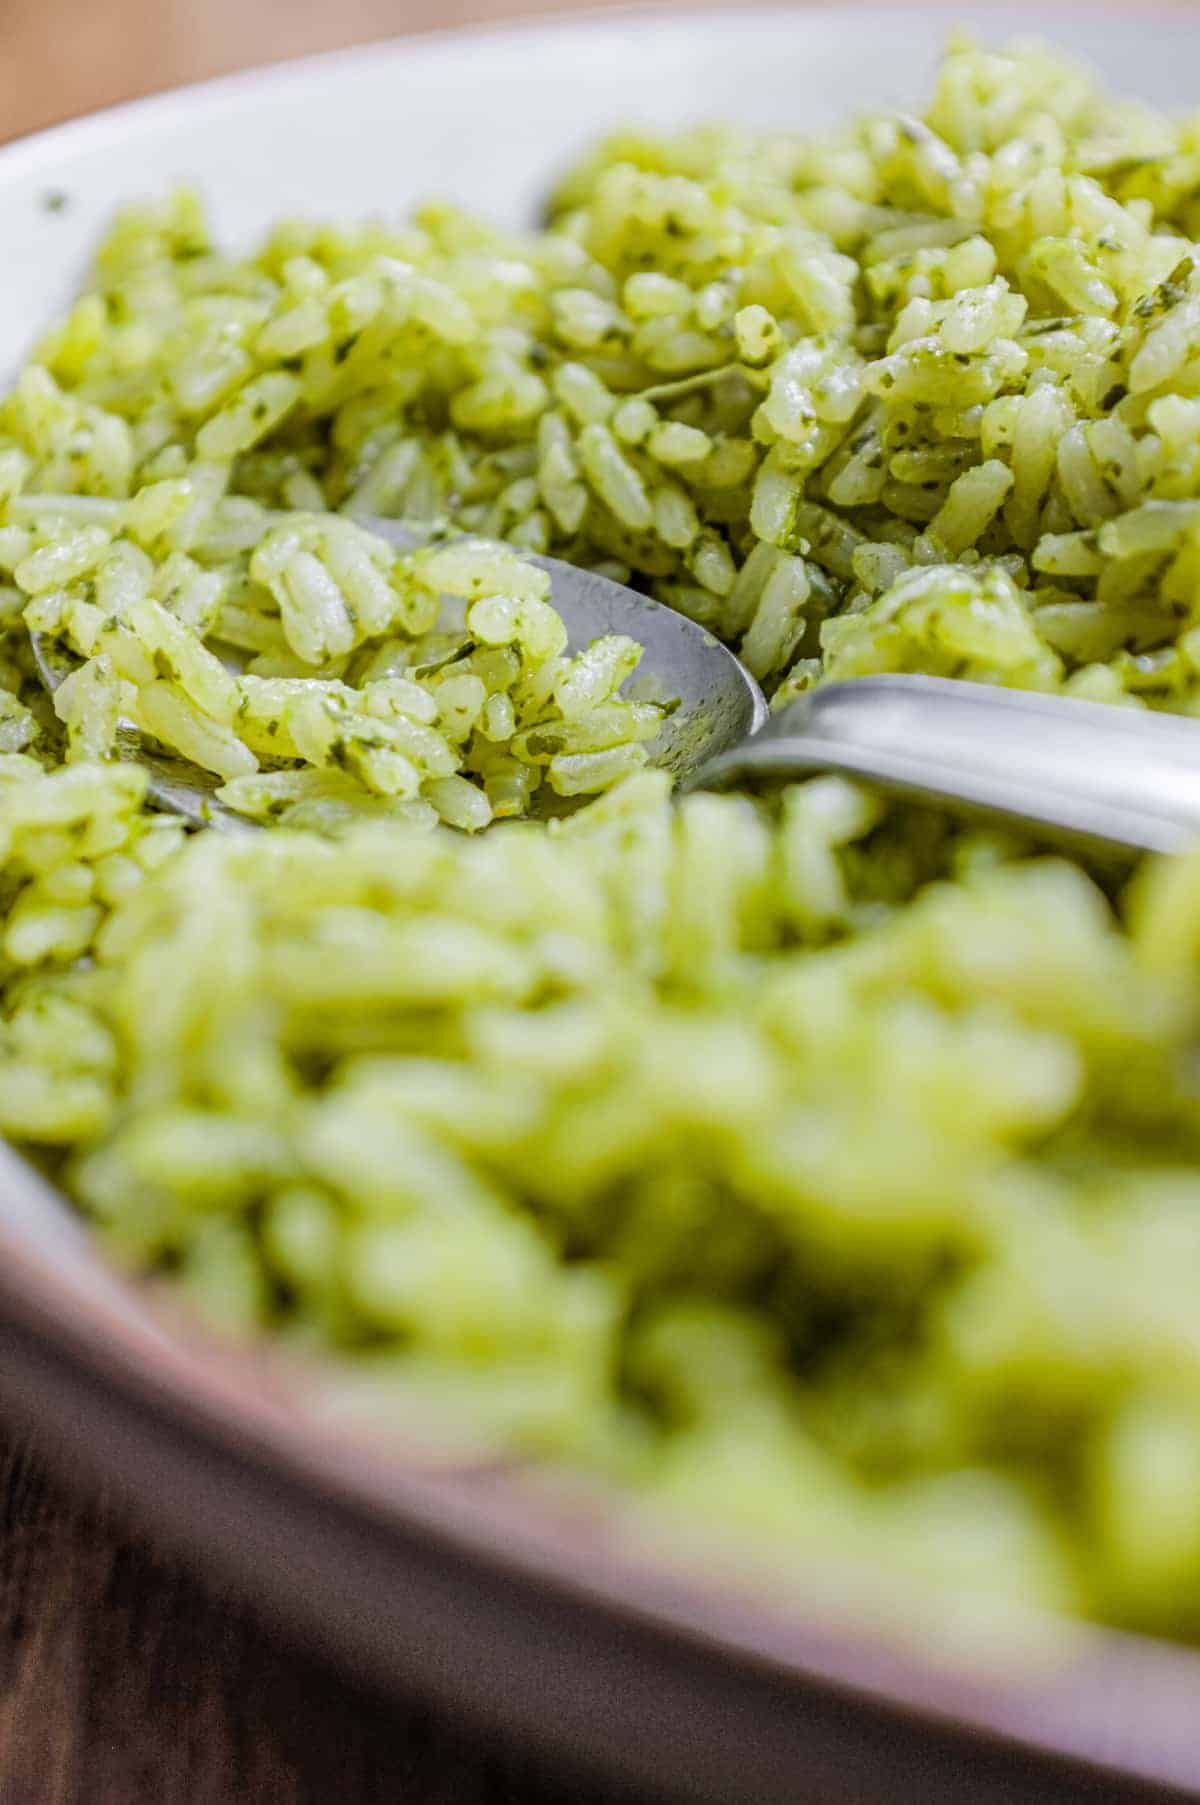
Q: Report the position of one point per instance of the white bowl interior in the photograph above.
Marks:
(486, 118)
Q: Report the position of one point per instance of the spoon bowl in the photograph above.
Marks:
(715, 703)
(1085, 774)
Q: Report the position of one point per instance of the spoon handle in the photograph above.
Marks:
(1083, 771)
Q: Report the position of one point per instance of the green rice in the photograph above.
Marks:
(820, 1173)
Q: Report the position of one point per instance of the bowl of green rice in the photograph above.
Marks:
(708, 1283)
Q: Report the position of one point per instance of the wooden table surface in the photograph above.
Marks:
(126, 1680)
(63, 57)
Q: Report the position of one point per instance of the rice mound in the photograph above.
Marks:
(822, 1172)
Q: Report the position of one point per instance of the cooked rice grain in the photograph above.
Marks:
(812, 1167)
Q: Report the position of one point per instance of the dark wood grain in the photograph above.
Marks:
(124, 1680)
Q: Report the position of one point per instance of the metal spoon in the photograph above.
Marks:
(1086, 772)
(718, 703)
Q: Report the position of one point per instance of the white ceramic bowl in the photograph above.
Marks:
(487, 117)
(463, 1583)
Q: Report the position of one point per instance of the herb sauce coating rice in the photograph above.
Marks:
(801, 1163)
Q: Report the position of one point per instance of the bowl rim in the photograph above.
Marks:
(28, 150)
(113, 1382)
